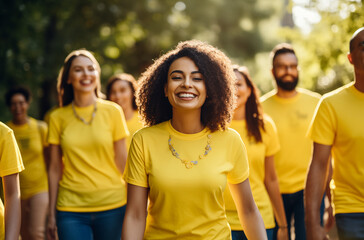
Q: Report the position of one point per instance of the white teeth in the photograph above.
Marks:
(186, 95)
(86, 81)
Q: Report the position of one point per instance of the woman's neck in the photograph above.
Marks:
(239, 113)
(187, 122)
(84, 100)
(129, 113)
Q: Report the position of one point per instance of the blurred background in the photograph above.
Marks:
(126, 35)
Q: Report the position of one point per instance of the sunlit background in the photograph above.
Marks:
(126, 36)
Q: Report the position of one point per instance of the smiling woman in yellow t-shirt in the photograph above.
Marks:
(88, 153)
(31, 137)
(261, 141)
(121, 89)
(184, 159)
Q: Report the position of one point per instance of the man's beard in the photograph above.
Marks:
(288, 86)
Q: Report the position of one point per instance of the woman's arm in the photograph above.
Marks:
(12, 206)
(136, 213)
(120, 154)
(249, 215)
(272, 186)
(54, 176)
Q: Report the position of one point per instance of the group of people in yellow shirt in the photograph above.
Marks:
(196, 139)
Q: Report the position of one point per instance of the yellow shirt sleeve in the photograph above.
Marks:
(135, 171)
(10, 157)
(272, 141)
(240, 171)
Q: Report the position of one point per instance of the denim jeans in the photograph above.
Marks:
(350, 226)
(294, 207)
(240, 235)
(90, 225)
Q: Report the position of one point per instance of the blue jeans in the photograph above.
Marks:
(294, 207)
(240, 235)
(350, 226)
(90, 225)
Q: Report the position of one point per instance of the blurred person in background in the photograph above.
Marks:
(291, 109)
(121, 89)
(87, 140)
(259, 135)
(31, 137)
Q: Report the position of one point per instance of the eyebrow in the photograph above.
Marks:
(179, 71)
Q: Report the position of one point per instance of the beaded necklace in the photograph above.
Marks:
(189, 164)
(81, 118)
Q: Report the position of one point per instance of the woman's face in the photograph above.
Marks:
(83, 75)
(19, 106)
(242, 90)
(122, 94)
(185, 86)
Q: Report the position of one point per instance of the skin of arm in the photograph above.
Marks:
(120, 154)
(12, 206)
(331, 219)
(249, 215)
(136, 213)
(314, 190)
(54, 176)
(272, 186)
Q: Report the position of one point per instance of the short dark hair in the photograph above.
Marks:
(17, 90)
(65, 90)
(281, 48)
(219, 79)
(351, 44)
(253, 108)
(122, 77)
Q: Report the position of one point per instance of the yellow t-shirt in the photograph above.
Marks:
(292, 117)
(10, 163)
(186, 203)
(90, 180)
(31, 139)
(134, 124)
(339, 122)
(256, 156)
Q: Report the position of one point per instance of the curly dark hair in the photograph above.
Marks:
(17, 90)
(123, 77)
(253, 108)
(65, 90)
(219, 79)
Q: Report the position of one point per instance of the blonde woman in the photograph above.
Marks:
(88, 153)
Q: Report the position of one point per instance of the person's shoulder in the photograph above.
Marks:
(267, 119)
(339, 92)
(152, 130)
(4, 129)
(308, 93)
(229, 133)
(266, 97)
(106, 104)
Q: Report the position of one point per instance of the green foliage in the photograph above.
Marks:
(125, 36)
(322, 53)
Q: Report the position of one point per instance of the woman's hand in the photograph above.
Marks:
(52, 228)
(282, 234)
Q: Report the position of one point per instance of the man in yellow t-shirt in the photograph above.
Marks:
(291, 109)
(338, 129)
(10, 166)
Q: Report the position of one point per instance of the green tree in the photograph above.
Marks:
(37, 35)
